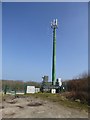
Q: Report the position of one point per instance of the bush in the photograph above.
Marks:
(78, 89)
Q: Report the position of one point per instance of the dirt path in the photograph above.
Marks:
(35, 108)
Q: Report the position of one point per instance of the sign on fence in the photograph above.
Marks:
(30, 89)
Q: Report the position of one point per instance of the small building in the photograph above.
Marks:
(37, 90)
(53, 91)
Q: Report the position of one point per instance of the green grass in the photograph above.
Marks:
(0, 94)
(58, 98)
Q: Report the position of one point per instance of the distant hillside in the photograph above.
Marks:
(18, 85)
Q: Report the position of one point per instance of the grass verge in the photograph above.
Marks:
(58, 98)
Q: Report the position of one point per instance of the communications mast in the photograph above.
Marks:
(54, 26)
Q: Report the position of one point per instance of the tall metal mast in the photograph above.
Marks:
(54, 26)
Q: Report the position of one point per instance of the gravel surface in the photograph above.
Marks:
(31, 107)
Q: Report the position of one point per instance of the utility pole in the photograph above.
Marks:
(54, 27)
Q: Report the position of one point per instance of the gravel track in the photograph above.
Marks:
(31, 107)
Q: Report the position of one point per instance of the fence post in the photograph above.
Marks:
(25, 88)
(5, 90)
